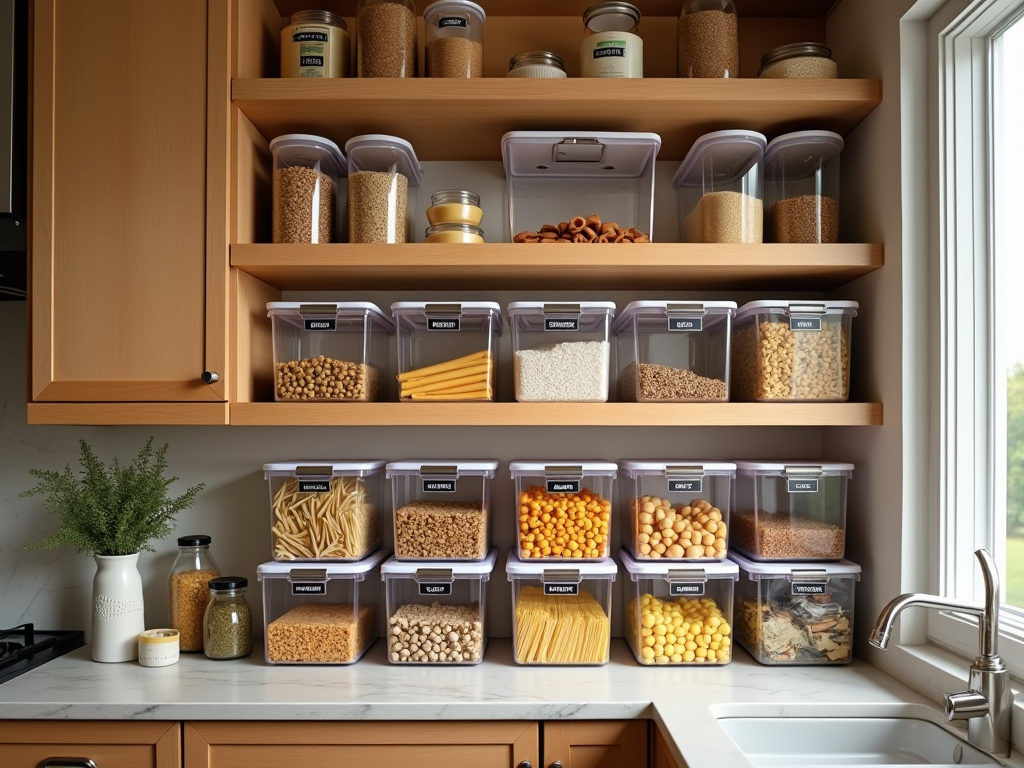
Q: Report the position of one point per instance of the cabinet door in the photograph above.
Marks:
(378, 744)
(27, 744)
(596, 743)
(662, 754)
(128, 251)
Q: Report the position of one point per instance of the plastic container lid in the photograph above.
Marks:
(812, 149)
(795, 51)
(292, 146)
(737, 150)
(466, 467)
(457, 5)
(454, 307)
(194, 541)
(794, 306)
(632, 468)
(356, 570)
(378, 152)
(315, 468)
(653, 569)
(586, 468)
(461, 569)
(675, 306)
(342, 309)
(516, 568)
(756, 571)
(748, 467)
(561, 308)
(578, 154)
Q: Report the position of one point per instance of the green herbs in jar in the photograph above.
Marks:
(227, 631)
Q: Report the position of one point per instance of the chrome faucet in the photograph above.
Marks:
(986, 705)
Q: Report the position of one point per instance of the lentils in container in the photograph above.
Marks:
(811, 61)
(227, 624)
(307, 174)
(187, 589)
(802, 196)
(707, 39)
(381, 171)
(676, 510)
(454, 32)
(315, 44)
(611, 46)
(386, 38)
(537, 64)
(792, 350)
(720, 188)
(436, 610)
(794, 510)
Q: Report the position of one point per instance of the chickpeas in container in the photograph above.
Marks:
(307, 174)
(382, 171)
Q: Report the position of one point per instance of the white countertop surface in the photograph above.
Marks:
(683, 701)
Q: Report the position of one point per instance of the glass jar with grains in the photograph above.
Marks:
(707, 39)
(187, 590)
(611, 47)
(454, 32)
(386, 38)
(227, 624)
(315, 44)
(799, 60)
(540, 64)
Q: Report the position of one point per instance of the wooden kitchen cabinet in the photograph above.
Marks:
(662, 757)
(129, 262)
(109, 744)
(596, 743)
(497, 744)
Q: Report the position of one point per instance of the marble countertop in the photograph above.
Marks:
(683, 701)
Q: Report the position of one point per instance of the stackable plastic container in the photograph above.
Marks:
(787, 350)
(564, 509)
(440, 340)
(384, 176)
(554, 176)
(454, 39)
(308, 190)
(802, 187)
(720, 187)
(676, 510)
(561, 351)
(425, 597)
(679, 614)
(352, 336)
(442, 508)
(792, 613)
(794, 510)
(320, 613)
(561, 613)
(674, 351)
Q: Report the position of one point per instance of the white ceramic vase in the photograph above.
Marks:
(117, 616)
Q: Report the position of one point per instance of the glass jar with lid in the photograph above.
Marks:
(454, 233)
(227, 625)
(315, 44)
(707, 39)
(187, 590)
(454, 33)
(611, 47)
(386, 38)
(539, 64)
(455, 206)
(812, 61)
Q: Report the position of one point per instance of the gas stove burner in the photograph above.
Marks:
(7, 648)
(25, 647)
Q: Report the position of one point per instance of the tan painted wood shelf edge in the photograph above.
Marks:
(465, 119)
(103, 414)
(558, 414)
(673, 266)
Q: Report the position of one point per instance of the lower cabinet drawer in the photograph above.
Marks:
(108, 744)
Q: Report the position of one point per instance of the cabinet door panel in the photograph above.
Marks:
(108, 744)
(596, 743)
(376, 755)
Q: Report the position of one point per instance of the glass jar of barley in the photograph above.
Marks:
(707, 39)
(187, 590)
(454, 33)
(386, 38)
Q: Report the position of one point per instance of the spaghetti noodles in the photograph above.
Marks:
(560, 629)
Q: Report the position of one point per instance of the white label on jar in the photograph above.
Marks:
(694, 485)
(561, 589)
(448, 22)
(443, 324)
(801, 485)
(686, 323)
(312, 45)
(612, 54)
(805, 323)
(686, 589)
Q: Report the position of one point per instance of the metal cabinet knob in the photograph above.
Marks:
(67, 762)
(526, 764)
(210, 377)
(556, 764)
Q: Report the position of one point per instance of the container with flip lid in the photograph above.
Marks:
(384, 176)
(802, 187)
(309, 194)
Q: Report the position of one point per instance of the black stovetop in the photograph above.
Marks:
(25, 647)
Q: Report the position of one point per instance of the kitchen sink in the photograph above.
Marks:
(849, 741)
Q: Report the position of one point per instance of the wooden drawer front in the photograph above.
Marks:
(375, 755)
(108, 744)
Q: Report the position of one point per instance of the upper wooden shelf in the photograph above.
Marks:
(576, 7)
(672, 266)
(465, 119)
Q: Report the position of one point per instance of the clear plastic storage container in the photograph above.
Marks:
(320, 614)
(442, 508)
(794, 510)
(330, 351)
(802, 195)
(674, 351)
(325, 510)
(386, 38)
(384, 176)
(436, 610)
(792, 350)
(561, 614)
(447, 351)
(307, 188)
(676, 510)
(707, 39)
(555, 177)
(678, 613)
(454, 32)
(564, 509)
(720, 189)
(561, 351)
(789, 613)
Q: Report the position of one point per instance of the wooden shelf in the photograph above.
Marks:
(671, 266)
(576, 7)
(559, 414)
(465, 119)
(99, 414)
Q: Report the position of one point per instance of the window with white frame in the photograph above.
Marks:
(979, 453)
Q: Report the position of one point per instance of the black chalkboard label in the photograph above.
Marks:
(299, 588)
(435, 589)
(604, 53)
(449, 22)
(686, 323)
(693, 485)
(686, 589)
(438, 486)
(561, 323)
(808, 588)
(805, 323)
(558, 588)
(563, 486)
(314, 486)
(320, 323)
(443, 324)
(801, 485)
(311, 61)
(310, 37)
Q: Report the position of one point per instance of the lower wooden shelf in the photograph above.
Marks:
(559, 414)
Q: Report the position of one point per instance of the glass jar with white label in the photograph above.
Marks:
(612, 47)
(315, 44)
(454, 35)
